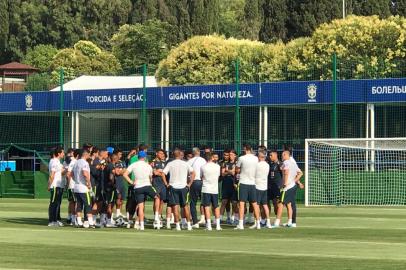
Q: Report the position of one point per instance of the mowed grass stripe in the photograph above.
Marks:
(327, 238)
(155, 241)
(107, 258)
(189, 235)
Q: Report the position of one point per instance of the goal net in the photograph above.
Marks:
(355, 171)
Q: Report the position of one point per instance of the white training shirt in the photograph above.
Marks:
(142, 173)
(293, 169)
(70, 169)
(210, 176)
(78, 177)
(179, 171)
(196, 163)
(261, 176)
(248, 164)
(56, 167)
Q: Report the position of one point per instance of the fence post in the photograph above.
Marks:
(237, 108)
(144, 104)
(334, 112)
(336, 184)
(61, 107)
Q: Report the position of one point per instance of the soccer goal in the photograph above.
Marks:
(355, 171)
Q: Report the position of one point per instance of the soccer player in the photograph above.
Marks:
(210, 173)
(100, 176)
(275, 182)
(142, 172)
(227, 184)
(110, 189)
(291, 175)
(246, 167)
(120, 182)
(207, 149)
(261, 185)
(196, 188)
(131, 204)
(158, 165)
(298, 183)
(71, 194)
(81, 176)
(178, 189)
(55, 187)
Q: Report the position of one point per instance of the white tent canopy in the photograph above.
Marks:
(107, 82)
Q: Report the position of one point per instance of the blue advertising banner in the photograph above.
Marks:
(113, 99)
(27, 102)
(209, 96)
(386, 90)
(277, 93)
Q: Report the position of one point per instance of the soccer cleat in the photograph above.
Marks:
(178, 228)
(219, 229)
(157, 224)
(136, 226)
(201, 222)
(51, 224)
(196, 226)
(168, 226)
(273, 226)
(269, 226)
(110, 225)
(86, 224)
(59, 224)
(291, 225)
(253, 226)
(129, 224)
(239, 227)
(208, 229)
(294, 225)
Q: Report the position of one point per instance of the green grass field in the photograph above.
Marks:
(327, 238)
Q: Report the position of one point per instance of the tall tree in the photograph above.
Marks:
(252, 19)
(275, 16)
(306, 15)
(4, 25)
(138, 44)
(143, 10)
(230, 14)
(399, 7)
(371, 7)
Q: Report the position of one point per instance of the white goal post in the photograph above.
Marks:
(355, 171)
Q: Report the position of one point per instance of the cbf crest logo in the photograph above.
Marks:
(28, 102)
(312, 92)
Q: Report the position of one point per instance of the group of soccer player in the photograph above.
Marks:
(99, 180)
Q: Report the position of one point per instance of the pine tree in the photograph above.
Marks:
(4, 24)
(252, 19)
(273, 27)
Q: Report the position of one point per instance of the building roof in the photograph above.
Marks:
(107, 82)
(16, 66)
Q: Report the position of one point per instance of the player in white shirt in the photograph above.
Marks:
(298, 184)
(291, 175)
(247, 167)
(210, 173)
(82, 188)
(178, 189)
(196, 188)
(70, 184)
(142, 173)
(261, 185)
(55, 187)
